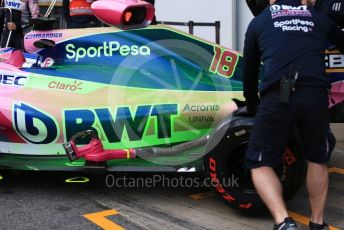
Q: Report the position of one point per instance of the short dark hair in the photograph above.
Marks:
(257, 6)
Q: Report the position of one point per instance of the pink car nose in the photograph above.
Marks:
(337, 93)
(126, 14)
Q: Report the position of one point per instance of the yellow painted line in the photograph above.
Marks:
(336, 170)
(299, 218)
(77, 180)
(335, 70)
(304, 220)
(75, 164)
(332, 52)
(99, 219)
(200, 196)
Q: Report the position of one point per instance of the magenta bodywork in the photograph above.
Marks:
(336, 93)
(114, 12)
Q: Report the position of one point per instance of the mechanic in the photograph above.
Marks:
(78, 14)
(290, 39)
(332, 8)
(17, 7)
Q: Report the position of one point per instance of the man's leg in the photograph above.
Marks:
(317, 185)
(270, 135)
(317, 145)
(270, 190)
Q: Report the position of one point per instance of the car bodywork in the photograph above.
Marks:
(134, 88)
(153, 86)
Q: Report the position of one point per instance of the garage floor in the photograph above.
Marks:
(46, 201)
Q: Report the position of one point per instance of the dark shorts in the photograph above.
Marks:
(275, 122)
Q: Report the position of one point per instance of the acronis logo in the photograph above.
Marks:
(33, 125)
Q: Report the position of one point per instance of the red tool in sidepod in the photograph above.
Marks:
(94, 151)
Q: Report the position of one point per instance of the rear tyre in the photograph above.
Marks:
(225, 166)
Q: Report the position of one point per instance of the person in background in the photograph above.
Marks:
(17, 7)
(332, 8)
(154, 19)
(78, 14)
(2, 18)
(31, 11)
(65, 5)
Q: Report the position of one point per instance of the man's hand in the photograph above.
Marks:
(11, 26)
(245, 112)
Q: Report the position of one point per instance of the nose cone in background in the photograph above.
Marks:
(126, 14)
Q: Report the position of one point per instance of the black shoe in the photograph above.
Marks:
(287, 224)
(313, 226)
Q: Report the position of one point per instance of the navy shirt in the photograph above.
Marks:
(287, 36)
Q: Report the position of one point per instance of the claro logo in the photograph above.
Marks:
(108, 49)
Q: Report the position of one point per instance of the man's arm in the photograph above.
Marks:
(251, 68)
(336, 37)
(333, 9)
(336, 11)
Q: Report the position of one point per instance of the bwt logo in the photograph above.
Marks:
(274, 8)
(114, 123)
(33, 125)
(12, 4)
(38, 127)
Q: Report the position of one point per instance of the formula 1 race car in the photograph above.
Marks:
(143, 99)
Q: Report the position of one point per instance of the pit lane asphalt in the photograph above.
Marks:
(45, 201)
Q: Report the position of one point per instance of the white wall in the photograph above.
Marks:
(201, 11)
(243, 19)
(234, 16)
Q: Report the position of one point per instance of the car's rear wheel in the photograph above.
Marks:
(225, 166)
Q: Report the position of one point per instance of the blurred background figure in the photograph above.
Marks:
(78, 14)
(332, 8)
(14, 27)
(2, 18)
(154, 19)
(31, 11)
